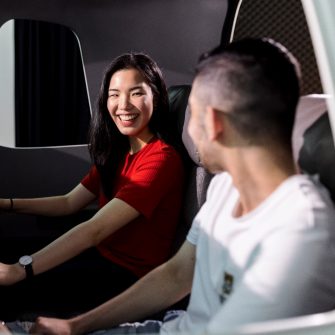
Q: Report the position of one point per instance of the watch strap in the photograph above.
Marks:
(29, 271)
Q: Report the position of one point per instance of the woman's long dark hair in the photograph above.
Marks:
(106, 144)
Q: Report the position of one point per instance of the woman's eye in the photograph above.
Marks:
(137, 94)
(113, 95)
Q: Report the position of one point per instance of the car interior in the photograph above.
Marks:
(175, 33)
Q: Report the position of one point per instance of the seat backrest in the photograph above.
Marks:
(313, 140)
(317, 153)
(197, 177)
(284, 21)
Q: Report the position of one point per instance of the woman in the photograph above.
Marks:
(137, 177)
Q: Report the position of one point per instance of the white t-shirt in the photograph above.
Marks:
(275, 262)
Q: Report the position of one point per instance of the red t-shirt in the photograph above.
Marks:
(151, 181)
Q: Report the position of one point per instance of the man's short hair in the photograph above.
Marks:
(257, 83)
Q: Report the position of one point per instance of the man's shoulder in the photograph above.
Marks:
(220, 189)
(313, 191)
(302, 199)
(221, 178)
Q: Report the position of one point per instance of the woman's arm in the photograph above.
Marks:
(60, 205)
(106, 221)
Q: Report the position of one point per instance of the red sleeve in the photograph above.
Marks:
(154, 178)
(92, 181)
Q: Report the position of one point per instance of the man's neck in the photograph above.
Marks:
(257, 176)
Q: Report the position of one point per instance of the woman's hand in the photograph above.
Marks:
(3, 328)
(5, 205)
(11, 274)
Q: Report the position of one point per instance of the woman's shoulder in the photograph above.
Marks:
(160, 152)
(160, 146)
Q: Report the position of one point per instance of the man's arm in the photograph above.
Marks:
(156, 291)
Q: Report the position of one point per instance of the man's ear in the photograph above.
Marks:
(213, 123)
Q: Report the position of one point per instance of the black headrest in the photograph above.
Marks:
(317, 155)
(178, 99)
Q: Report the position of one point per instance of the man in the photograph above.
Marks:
(262, 246)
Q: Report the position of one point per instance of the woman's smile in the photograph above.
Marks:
(127, 119)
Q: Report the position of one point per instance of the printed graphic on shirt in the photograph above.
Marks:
(227, 287)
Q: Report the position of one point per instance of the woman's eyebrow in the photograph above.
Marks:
(136, 87)
(131, 89)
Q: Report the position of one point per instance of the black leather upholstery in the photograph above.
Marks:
(317, 155)
(178, 99)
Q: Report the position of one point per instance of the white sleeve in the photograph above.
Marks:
(193, 233)
(287, 276)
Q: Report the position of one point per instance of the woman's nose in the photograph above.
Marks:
(124, 101)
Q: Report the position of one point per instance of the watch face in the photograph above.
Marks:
(25, 260)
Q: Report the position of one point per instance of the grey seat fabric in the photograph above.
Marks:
(197, 177)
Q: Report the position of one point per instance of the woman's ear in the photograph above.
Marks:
(214, 123)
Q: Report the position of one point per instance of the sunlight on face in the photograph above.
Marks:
(195, 126)
(198, 131)
(130, 102)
